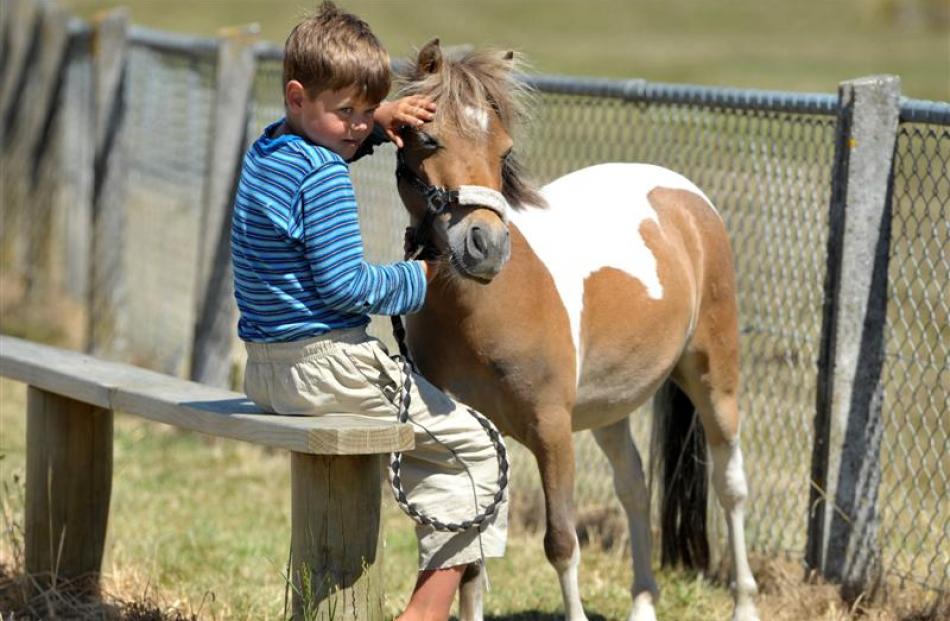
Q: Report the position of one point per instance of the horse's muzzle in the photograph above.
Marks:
(485, 251)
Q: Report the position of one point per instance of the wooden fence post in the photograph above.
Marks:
(36, 122)
(68, 485)
(216, 312)
(19, 24)
(843, 522)
(24, 26)
(107, 306)
(336, 558)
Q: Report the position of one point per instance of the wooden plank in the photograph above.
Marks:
(843, 533)
(193, 406)
(68, 485)
(216, 311)
(336, 556)
(108, 289)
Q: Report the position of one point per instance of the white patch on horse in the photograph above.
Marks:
(593, 221)
(479, 116)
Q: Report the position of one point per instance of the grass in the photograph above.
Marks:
(199, 529)
(809, 45)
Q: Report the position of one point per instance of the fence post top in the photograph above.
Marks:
(884, 80)
(115, 14)
(247, 33)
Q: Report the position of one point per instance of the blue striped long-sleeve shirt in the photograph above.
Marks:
(299, 268)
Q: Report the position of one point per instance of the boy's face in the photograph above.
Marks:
(338, 120)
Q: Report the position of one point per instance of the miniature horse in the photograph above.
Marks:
(566, 309)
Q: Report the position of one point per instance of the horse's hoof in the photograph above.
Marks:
(643, 609)
(745, 612)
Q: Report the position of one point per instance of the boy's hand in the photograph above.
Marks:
(393, 115)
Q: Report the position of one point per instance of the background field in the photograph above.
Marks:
(808, 45)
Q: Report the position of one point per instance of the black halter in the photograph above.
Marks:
(437, 201)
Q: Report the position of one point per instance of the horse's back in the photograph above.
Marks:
(624, 246)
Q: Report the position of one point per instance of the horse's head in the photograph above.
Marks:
(456, 173)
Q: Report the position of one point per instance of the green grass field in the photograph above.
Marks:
(809, 45)
(199, 529)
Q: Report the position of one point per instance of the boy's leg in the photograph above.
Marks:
(451, 475)
(433, 594)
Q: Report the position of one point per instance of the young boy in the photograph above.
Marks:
(305, 291)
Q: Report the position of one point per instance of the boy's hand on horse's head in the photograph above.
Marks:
(394, 115)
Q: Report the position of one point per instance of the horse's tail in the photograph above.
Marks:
(679, 462)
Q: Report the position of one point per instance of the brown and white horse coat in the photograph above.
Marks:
(620, 276)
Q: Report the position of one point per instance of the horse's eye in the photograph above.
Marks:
(428, 141)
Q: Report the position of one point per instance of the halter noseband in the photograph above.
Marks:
(439, 199)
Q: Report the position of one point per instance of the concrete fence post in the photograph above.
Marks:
(108, 288)
(216, 312)
(846, 472)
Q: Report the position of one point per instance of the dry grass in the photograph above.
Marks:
(164, 578)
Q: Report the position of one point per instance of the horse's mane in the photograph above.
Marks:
(483, 78)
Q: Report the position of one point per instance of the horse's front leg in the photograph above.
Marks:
(617, 444)
(470, 594)
(553, 447)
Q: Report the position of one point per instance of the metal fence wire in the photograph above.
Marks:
(169, 120)
(768, 173)
(915, 530)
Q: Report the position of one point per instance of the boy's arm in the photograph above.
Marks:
(328, 227)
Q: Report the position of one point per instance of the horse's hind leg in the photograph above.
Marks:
(553, 448)
(617, 444)
(708, 373)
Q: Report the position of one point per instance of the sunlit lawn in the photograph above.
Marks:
(809, 45)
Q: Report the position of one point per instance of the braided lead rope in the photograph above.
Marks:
(395, 459)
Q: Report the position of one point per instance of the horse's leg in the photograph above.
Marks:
(617, 444)
(553, 448)
(711, 381)
(470, 594)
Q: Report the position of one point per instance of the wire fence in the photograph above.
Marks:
(916, 464)
(764, 158)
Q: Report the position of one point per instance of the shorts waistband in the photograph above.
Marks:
(297, 350)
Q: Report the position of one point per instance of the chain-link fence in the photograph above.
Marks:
(915, 461)
(766, 161)
(768, 171)
(169, 121)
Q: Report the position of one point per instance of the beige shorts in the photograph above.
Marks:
(350, 372)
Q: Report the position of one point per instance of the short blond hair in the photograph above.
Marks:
(333, 49)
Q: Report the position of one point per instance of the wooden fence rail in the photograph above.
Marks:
(335, 472)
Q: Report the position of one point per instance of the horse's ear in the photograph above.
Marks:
(430, 58)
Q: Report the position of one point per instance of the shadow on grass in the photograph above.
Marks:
(22, 598)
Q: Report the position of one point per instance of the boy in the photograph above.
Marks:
(305, 291)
